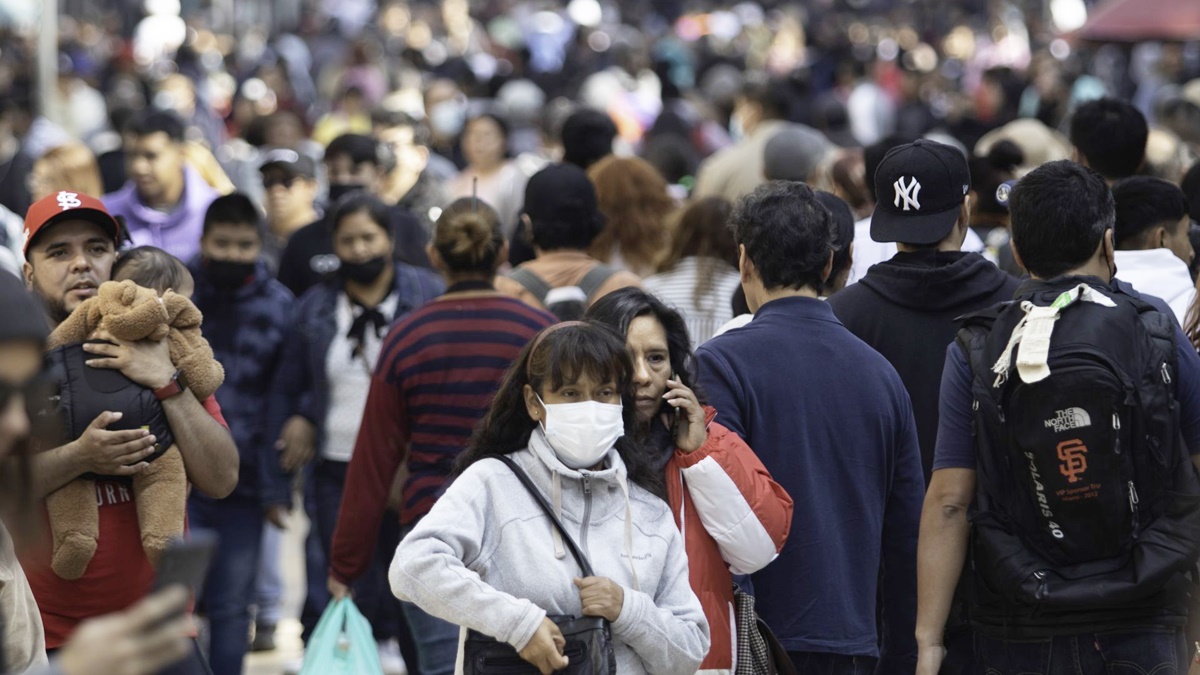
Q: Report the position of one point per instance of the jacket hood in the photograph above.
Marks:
(934, 280)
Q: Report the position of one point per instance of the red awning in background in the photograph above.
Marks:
(1134, 20)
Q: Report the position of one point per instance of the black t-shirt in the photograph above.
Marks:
(308, 258)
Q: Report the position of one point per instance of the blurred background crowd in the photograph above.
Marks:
(474, 97)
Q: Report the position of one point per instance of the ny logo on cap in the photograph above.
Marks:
(908, 193)
(68, 200)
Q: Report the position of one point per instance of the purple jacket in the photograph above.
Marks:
(177, 232)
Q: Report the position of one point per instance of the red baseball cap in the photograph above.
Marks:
(66, 205)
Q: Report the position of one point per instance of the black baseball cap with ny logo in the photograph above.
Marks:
(920, 187)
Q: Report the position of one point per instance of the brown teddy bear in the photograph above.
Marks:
(127, 311)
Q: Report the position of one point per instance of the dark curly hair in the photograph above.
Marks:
(788, 234)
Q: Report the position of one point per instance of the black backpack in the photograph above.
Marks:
(1087, 506)
(85, 392)
(568, 303)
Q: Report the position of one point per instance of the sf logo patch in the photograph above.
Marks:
(68, 200)
(907, 193)
(1073, 455)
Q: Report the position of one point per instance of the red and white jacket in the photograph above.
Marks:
(734, 519)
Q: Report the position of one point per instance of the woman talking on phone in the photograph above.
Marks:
(734, 518)
(490, 558)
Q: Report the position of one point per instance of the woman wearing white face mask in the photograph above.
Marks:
(487, 556)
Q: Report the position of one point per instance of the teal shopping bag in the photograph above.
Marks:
(342, 643)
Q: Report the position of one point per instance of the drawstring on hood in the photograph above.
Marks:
(541, 449)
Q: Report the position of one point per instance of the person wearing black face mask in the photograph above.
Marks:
(354, 163)
(320, 391)
(247, 316)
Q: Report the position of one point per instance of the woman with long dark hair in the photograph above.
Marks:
(487, 557)
(734, 518)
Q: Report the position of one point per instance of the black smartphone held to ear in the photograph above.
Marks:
(185, 562)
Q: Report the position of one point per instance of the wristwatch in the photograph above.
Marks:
(173, 388)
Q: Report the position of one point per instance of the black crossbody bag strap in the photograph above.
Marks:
(576, 552)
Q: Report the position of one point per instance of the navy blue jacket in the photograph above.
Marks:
(246, 329)
(832, 422)
(301, 386)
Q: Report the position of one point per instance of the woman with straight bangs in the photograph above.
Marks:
(634, 200)
(733, 516)
(488, 558)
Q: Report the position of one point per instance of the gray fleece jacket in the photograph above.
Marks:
(487, 558)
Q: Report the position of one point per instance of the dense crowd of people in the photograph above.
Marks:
(587, 335)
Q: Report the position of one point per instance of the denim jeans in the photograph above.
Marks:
(437, 640)
(820, 663)
(269, 585)
(372, 593)
(1157, 651)
(229, 588)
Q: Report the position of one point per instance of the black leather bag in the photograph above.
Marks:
(589, 647)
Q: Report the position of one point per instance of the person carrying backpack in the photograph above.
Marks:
(562, 214)
(1061, 473)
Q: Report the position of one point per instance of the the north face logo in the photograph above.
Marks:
(907, 193)
(1071, 418)
(68, 200)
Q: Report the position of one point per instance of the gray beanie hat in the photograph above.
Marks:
(794, 153)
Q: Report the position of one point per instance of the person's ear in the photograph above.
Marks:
(1109, 246)
(964, 218)
(27, 272)
(1164, 238)
(828, 268)
(534, 407)
(1017, 255)
(422, 154)
(744, 263)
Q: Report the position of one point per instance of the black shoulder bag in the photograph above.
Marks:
(589, 647)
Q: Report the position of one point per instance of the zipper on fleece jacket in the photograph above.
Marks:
(587, 514)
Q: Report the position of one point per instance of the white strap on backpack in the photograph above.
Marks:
(1031, 336)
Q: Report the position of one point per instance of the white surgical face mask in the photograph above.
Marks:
(448, 117)
(581, 434)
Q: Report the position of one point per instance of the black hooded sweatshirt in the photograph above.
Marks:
(905, 308)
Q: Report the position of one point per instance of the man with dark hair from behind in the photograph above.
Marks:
(1153, 250)
(831, 421)
(1079, 612)
(759, 112)
(246, 316)
(587, 137)
(164, 200)
(1109, 137)
(563, 217)
(906, 307)
(843, 241)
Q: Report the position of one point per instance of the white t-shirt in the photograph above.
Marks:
(349, 378)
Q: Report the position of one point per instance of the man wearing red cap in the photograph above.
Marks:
(70, 247)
